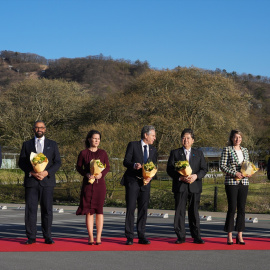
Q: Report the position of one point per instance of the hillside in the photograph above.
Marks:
(116, 93)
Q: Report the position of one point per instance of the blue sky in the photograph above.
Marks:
(228, 34)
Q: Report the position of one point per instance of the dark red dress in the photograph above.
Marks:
(92, 195)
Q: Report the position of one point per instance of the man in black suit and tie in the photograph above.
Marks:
(137, 154)
(187, 188)
(39, 185)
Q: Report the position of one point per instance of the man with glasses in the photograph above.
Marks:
(39, 185)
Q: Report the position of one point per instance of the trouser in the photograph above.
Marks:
(32, 196)
(181, 200)
(134, 194)
(236, 197)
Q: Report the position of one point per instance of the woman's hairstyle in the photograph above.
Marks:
(233, 132)
(187, 130)
(89, 135)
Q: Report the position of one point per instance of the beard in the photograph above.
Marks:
(39, 134)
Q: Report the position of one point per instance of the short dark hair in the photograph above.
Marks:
(188, 130)
(89, 135)
(233, 132)
(146, 129)
(38, 121)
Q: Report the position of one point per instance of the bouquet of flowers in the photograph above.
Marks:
(38, 161)
(248, 168)
(96, 167)
(183, 167)
(149, 170)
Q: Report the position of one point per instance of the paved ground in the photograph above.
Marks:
(67, 224)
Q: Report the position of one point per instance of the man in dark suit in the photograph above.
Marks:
(187, 188)
(39, 185)
(137, 154)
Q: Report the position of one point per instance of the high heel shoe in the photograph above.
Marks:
(90, 243)
(238, 241)
(98, 243)
(229, 243)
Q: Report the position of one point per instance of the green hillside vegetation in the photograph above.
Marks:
(118, 97)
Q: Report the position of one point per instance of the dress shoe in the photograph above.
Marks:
(144, 241)
(198, 241)
(180, 241)
(238, 241)
(49, 241)
(30, 241)
(129, 241)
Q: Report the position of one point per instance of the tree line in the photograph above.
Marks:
(118, 97)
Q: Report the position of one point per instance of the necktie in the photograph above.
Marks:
(187, 155)
(145, 154)
(39, 147)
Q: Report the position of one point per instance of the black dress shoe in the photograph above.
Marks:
(49, 241)
(144, 241)
(30, 241)
(198, 241)
(180, 241)
(129, 242)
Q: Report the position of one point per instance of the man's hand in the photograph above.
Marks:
(147, 180)
(188, 179)
(138, 166)
(192, 178)
(39, 175)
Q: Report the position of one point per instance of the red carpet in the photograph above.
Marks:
(118, 244)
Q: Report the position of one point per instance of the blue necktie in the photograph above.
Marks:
(145, 154)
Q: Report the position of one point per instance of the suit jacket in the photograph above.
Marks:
(134, 154)
(51, 152)
(198, 165)
(230, 165)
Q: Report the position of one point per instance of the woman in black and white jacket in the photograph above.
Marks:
(236, 185)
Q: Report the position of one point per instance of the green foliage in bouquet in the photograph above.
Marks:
(181, 164)
(39, 158)
(149, 166)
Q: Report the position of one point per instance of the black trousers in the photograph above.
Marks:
(236, 197)
(32, 196)
(134, 194)
(181, 200)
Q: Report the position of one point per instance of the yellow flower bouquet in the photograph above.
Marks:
(96, 167)
(149, 170)
(38, 161)
(183, 167)
(247, 168)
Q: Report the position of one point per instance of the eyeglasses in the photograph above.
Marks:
(37, 128)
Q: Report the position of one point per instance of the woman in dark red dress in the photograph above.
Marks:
(92, 195)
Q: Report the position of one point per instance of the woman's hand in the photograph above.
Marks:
(89, 176)
(239, 175)
(98, 176)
